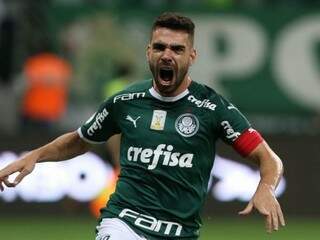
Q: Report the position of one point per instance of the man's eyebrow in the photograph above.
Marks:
(159, 44)
(177, 46)
(174, 45)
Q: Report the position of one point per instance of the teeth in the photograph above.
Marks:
(166, 67)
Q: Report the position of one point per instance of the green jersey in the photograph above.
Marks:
(167, 152)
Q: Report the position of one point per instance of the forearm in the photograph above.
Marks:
(62, 148)
(264, 199)
(271, 168)
(271, 171)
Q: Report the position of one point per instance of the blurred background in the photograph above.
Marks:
(60, 58)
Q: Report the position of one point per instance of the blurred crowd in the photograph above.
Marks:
(210, 3)
(36, 64)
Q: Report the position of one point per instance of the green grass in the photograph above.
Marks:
(82, 228)
(253, 229)
(46, 228)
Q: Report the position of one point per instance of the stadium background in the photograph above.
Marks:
(263, 55)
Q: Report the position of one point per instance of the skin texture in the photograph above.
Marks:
(264, 200)
(169, 49)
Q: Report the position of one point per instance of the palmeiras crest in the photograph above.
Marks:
(187, 125)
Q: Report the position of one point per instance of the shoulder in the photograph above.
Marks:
(203, 91)
(202, 94)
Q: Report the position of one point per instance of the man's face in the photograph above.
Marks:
(170, 54)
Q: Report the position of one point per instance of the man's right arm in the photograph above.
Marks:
(64, 147)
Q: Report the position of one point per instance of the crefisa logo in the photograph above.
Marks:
(187, 125)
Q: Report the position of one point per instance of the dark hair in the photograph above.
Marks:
(174, 21)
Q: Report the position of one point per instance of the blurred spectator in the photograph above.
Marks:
(8, 109)
(7, 30)
(122, 79)
(45, 99)
(123, 74)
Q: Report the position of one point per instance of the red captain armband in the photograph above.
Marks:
(247, 142)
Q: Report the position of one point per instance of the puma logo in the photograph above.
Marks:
(134, 121)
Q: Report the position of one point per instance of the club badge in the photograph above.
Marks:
(187, 125)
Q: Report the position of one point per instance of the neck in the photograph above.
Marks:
(182, 87)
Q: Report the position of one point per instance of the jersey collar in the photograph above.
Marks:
(156, 95)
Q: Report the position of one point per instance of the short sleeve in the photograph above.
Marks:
(231, 122)
(101, 125)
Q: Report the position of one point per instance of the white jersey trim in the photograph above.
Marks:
(86, 139)
(156, 95)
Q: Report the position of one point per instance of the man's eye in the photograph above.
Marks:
(178, 50)
(158, 47)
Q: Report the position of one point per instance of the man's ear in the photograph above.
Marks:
(193, 56)
(148, 49)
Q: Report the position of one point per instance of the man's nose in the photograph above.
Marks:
(167, 55)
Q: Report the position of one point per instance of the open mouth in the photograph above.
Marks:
(166, 74)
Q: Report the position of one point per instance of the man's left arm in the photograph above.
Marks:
(264, 199)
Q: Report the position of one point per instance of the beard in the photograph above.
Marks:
(168, 78)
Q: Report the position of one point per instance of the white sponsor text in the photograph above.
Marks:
(97, 122)
(204, 103)
(151, 223)
(152, 157)
(128, 96)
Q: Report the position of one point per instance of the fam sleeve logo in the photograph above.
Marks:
(128, 96)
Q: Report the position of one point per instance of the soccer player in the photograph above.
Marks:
(169, 126)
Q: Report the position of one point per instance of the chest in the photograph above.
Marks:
(161, 123)
(171, 137)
